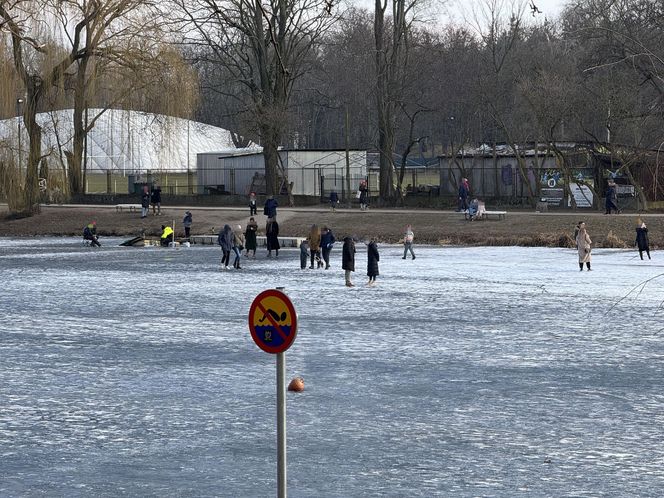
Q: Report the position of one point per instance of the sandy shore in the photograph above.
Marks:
(430, 227)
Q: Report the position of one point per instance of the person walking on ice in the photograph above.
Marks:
(408, 237)
(250, 237)
(272, 236)
(314, 246)
(304, 254)
(327, 240)
(583, 244)
(348, 259)
(225, 240)
(238, 246)
(372, 261)
(642, 241)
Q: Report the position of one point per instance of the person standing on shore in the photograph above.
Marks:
(252, 204)
(364, 195)
(145, 202)
(576, 230)
(372, 261)
(464, 192)
(583, 244)
(334, 200)
(186, 223)
(250, 237)
(272, 236)
(348, 259)
(225, 240)
(408, 237)
(314, 246)
(270, 208)
(327, 240)
(611, 198)
(642, 241)
(156, 200)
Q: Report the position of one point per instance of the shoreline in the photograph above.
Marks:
(431, 227)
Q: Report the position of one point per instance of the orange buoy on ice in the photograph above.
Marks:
(296, 385)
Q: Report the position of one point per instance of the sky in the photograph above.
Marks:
(549, 8)
(454, 9)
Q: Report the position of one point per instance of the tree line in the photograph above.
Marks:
(316, 74)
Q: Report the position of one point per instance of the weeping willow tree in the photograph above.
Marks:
(10, 177)
(108, 53)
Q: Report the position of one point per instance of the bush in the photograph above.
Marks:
(613, 241)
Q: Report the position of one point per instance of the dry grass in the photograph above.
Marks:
(430, 227)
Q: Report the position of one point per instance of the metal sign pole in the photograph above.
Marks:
(281, 425)
(276, 337)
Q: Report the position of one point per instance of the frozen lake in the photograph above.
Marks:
(466, 372)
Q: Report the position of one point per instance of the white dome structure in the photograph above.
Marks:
(125, 142)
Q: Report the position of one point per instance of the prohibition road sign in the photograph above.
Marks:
(272, 321)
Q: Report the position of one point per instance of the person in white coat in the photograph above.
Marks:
(583, 244)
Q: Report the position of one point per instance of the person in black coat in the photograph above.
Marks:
(156, 200)
(145, 202)
(348, 259)
(272, 237)
(327, 240)
(611, 198)
(372, 262)
(270, 208)
(642, 241)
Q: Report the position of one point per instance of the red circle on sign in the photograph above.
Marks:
(272, 331)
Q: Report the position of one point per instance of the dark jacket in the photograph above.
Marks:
(87, 234)
(145, 200)
(327, 239)
(270, 209)
(334, 198)
(225, 238)
(463, 191)
(348, 255)
(250, 236)
(272, 234)
(372, 259)
(156, 195)
(364, 192)
(187, 220)
(642, 238)
(611, 196)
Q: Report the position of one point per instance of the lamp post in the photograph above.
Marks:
(19, 113)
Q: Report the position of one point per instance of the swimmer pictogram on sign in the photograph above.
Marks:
(273, 321)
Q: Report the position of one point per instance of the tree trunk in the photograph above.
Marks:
(31, 187)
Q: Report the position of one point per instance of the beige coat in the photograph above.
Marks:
(583, 245)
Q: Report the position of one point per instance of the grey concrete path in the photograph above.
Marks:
(325, 208)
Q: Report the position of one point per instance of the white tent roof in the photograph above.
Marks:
(126, 141)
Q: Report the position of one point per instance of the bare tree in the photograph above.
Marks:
(263, 46)
(391, 59)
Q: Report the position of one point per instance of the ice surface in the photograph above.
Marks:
(466, 372)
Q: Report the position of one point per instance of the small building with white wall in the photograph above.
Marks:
(313, 172)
